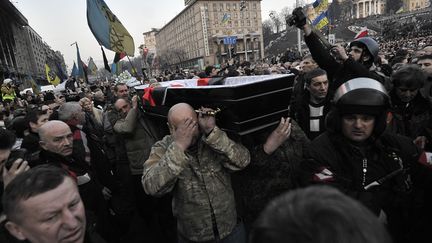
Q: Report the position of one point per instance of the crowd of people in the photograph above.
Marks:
(350, 162)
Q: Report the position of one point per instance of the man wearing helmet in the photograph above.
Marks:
(356, 155)
(340, 66)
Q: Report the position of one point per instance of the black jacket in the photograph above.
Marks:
(300, 112)
(410, 119)
(338, 73)
(332, 160)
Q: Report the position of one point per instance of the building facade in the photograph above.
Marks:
(365, 8)
(412, 5)
(23, 53)
(150, 40)
(211, 32)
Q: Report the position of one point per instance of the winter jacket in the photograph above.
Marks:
(139, 133)
(200, 181)
(339, 73)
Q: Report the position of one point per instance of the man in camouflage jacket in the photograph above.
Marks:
(194, 163)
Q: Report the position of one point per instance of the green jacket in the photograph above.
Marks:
(200, 182)
(139, 134)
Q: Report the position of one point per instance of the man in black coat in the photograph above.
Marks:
(340, 66)
(311, 106)
(56, 140)
(381, 170)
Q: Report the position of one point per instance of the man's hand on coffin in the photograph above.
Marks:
(134, 101)
(278, 136)
(206, 121)
(184, 133)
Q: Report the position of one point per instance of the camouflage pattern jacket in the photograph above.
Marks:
(200, 181)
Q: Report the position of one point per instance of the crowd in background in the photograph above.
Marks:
(101, 136)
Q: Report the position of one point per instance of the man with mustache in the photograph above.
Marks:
(384, 171)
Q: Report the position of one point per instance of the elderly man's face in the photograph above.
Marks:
(58, 139)
(55, 216)
(122, 107)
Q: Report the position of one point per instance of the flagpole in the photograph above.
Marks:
(298, 34)
(133, 67)
(80, 62)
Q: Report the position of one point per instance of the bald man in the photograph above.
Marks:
(194, 163)
(56, 140)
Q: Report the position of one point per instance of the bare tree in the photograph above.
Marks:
(267, 31)
(277, 23)
(284, 14)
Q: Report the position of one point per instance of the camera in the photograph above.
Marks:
(290, 20)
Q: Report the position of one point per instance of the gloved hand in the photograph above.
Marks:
(298, 18)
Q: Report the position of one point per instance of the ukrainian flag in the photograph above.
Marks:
(226, 18)
(320, 5)
(107, 28)
(51, 76)
(321, 21)
(34, 85)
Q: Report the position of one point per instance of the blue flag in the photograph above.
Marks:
(107, 28)
(74, 70)
(81, 73)
(114, 68)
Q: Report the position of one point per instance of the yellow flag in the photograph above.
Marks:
(51, 76)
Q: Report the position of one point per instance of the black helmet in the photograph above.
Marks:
(370, 44)
(359, 96)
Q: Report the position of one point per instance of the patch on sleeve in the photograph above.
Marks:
(426, 159)
(323, 175)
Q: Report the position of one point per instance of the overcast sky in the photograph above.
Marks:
(62, 22)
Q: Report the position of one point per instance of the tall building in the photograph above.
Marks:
(150, 40)
(412, 5)
(23, 53)
(365, 8)
(210, 32)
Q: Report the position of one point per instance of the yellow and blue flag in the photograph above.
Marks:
(107, 28)
(35, 87)
(320, 5)
(81, 73)
(51, 76)
(226, 18)
(321, 21)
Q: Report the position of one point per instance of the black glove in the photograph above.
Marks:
(298, 18)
